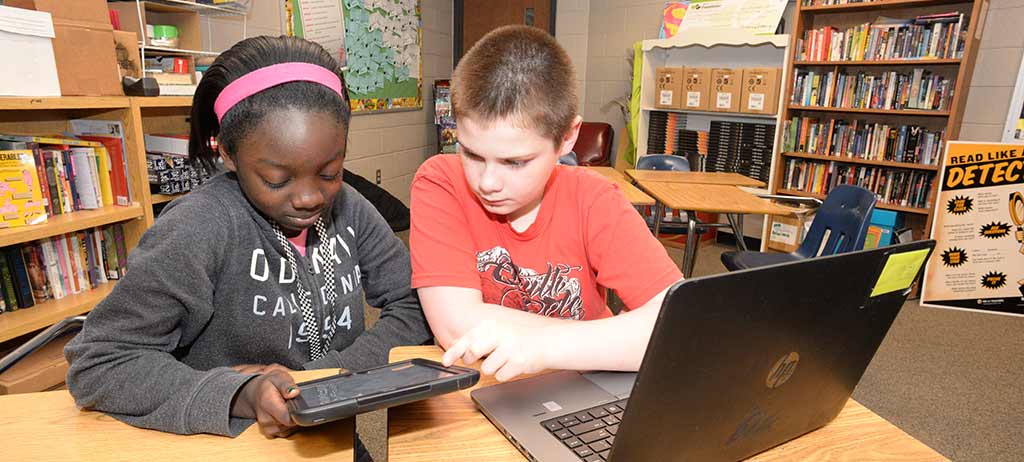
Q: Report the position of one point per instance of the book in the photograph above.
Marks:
(67, 273)
(21, 197)
(51, 266)
(40, 168)
(96, 240)
(78, 260)
(91, 264)
(32, 255)
(110, 251)
(122, 251)
(53, 182)
(7, 281)
(22, 285)
(83, 169)
(102, 176)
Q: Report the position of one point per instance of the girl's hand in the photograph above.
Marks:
(511, 349)
(259, 368)
(263, 398)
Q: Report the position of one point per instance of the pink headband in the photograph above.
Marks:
(272, 76)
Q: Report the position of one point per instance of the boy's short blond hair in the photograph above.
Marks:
(519, 73)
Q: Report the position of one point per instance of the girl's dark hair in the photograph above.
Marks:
(247, 56)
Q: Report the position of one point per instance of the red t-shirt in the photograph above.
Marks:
(586, 237)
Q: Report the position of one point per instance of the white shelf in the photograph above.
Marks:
(717, 37)
(724, 115)
(711, 49)
(177, 51)
(203, 9)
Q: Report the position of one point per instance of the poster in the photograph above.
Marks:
(380, 47)
(979, 230)
(756, 16)
(320, 21)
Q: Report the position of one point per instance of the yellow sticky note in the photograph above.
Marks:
(899, 271)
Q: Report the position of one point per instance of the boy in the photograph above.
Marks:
(511, 252)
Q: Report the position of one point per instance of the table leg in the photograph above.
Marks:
(659, 211)
(692, 239)
(736, 223)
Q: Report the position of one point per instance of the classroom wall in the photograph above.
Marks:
(393, 143)
(572, 30)
(995, 72)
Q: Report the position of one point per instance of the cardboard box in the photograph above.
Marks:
(786, 233)
(725, 90)
(83, 45)
(27, 40)
(70, 12)
(186, 21)
(668, 88)
(696, 88)
(760, 91)
(126, 48)
(40, 371)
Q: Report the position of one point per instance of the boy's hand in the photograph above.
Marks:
(263, 398)
(511, 350)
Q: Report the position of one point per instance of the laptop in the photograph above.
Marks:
(737, 363)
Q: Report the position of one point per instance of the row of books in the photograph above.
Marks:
(863, 140)
(42, 176)
(51, 176)
(892, 186)
(937, 36)
(892, 90)
(54, 268)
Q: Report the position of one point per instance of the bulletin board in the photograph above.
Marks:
(377, 42)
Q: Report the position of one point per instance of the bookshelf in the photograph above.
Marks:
(37, 116)
(714, 48)
(937, 63)
(50, 312)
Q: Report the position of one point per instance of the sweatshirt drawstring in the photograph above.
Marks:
(317, 348)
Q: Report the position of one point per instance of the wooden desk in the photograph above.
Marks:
(633, 195)
(47, 426)
(668, 176)
(450, 428)
(714, 198)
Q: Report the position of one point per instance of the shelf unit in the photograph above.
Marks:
(38, 116)
(841, 16)
(712, 48)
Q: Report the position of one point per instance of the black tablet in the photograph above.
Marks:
(345, 395)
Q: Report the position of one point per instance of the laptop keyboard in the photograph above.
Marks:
(589, 433)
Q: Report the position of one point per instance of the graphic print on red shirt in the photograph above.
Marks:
(554, 292)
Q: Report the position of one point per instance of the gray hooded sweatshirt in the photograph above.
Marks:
(209, 286)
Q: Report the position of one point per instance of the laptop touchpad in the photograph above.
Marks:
(619, 384)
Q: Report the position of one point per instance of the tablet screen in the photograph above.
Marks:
(371, 382)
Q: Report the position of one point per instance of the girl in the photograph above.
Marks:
(511, 253)
(267, 264)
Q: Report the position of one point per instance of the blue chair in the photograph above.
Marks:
(569, 159)
(663, 162)
(839, 226)
(677, 223)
